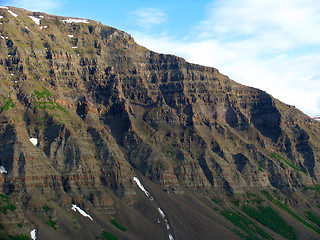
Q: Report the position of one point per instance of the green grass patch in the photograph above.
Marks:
(8, 103)
(216, 201)
(169, 153)
(52, 224)
(5, 204)
(20, 225)
(246, 225)
(107, 236)
(314, 187)
(43, 100)
(41, 95)
(298, 217)
(279, 157)
(117, 225)
(19, 237)
(46, 208)
(313, 218)
(268, 217)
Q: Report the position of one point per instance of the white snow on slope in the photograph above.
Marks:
(161, 213)
(72, 20)
(3, 170)
(12, 13)
(70, 36)
(34, 141)
(164, 218)
(33, 234)
(159, 209)
(35, 19)
(83, 213)
(142, 187)
(1, 17)
(4, 7)
(75, 47)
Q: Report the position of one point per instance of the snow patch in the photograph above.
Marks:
(70, 36)
(159, 209)
(33, 234)
(4, 7)
(142, 187)
(164, 218)
(161, 212)
(83, 213)
(1, 17)
(42, 27)
(35, 19)
(12, 13)
(3, 170)
(2, 37)
(75, 47)
(72, 20)
(34, 141)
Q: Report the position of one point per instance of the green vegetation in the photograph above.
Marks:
(19, 237)
(117, 225)
(298, 217)
(169, 153)
(1, 226)
(41, 95)
(277, 156)
(216, 201)
(268, 217)
(5, 204)
(314, 187)
(8, 104)
(246, 225)
(43, 100)
(52, 224)
(20, 225)
(107, 236)
(46, 208)
(313, 218)
(261, 169)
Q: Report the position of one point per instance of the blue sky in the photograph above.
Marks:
(273, 45)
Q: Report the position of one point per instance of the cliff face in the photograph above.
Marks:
(104, 109)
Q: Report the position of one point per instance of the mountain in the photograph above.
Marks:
(103, 139)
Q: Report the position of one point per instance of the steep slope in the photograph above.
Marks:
(103, 110)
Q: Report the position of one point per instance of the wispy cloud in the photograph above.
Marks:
(269, 44)
(148, 17)
(35, 5)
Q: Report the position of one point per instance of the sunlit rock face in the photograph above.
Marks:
(84, 109)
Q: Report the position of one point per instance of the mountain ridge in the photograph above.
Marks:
(105, 110)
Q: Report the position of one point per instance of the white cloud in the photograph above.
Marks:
(269, 44)
(35, 5)
(147, 17)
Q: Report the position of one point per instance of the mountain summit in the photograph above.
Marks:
(103, 139)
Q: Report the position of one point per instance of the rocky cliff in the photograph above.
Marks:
(102, 110)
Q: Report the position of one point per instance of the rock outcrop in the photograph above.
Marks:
(104, 109)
